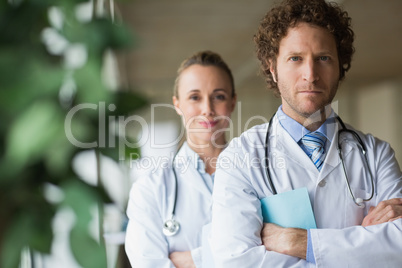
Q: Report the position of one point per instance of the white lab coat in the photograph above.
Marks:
(241, 182)
(150, 205)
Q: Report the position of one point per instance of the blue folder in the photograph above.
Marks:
(289, 209)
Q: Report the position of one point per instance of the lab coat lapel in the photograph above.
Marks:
(189, 171)
(332, 159)
(198, 182)
(287, 147)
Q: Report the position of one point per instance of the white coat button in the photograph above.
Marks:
(322, 183)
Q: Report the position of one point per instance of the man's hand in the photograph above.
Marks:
(289, 241)
(182, 259)
(385, 211)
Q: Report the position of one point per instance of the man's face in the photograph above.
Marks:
(307, 70)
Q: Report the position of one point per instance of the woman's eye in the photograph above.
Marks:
(220, 97)
(194, 97)
(294, 58)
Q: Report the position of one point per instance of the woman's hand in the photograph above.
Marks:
(182, 259)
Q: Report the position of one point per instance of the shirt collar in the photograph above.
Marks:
(297, 131)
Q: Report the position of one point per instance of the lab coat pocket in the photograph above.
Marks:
(355, 214)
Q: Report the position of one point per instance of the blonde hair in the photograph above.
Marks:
(204, 58)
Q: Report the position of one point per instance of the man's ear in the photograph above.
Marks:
(176, 104)
(272, 70)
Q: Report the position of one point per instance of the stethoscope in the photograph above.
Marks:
(171, 226)
(362, 148)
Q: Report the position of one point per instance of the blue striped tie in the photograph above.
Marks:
(314, 143)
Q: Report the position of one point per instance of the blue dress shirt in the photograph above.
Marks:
(297, 131)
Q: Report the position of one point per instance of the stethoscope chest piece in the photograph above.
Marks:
(171, 227)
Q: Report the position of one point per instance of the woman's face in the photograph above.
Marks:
(205, 103)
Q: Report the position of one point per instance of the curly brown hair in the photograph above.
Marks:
(204, 58)
(278, 20)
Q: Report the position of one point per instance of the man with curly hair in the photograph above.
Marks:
(305, 48)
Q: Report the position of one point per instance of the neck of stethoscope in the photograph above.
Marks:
(176, 184)
(358, 200)
(175, 174)
(362, 148)
(171, 226)
(270, 182)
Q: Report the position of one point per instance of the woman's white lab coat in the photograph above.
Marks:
(339, 241)
(150, 205)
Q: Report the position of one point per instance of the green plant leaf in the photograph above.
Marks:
(41, 214)
(14, 241)
(128, 101)
(37, 78)
(33, 131)
(34, 146)
(18, 22)
(86, 250)
(81, 198)
(121, 150)
(26, 229)
(99, 35)
(89, 83)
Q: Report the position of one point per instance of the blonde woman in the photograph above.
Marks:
(204, 97)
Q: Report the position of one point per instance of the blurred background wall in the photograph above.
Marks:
(169, 31)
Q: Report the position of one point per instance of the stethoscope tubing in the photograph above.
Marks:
(271, 184)
(362, 148)
(171, 226)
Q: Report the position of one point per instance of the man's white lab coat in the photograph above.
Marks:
(339, 241)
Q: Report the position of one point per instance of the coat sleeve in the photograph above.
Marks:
(373, 246)
(145, 245)
(237, 218)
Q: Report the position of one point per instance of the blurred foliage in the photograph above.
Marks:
(39, 91)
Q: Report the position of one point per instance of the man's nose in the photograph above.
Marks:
(310, 71)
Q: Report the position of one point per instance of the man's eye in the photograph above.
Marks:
(295, 58)
(194, 97)
(324, 58)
